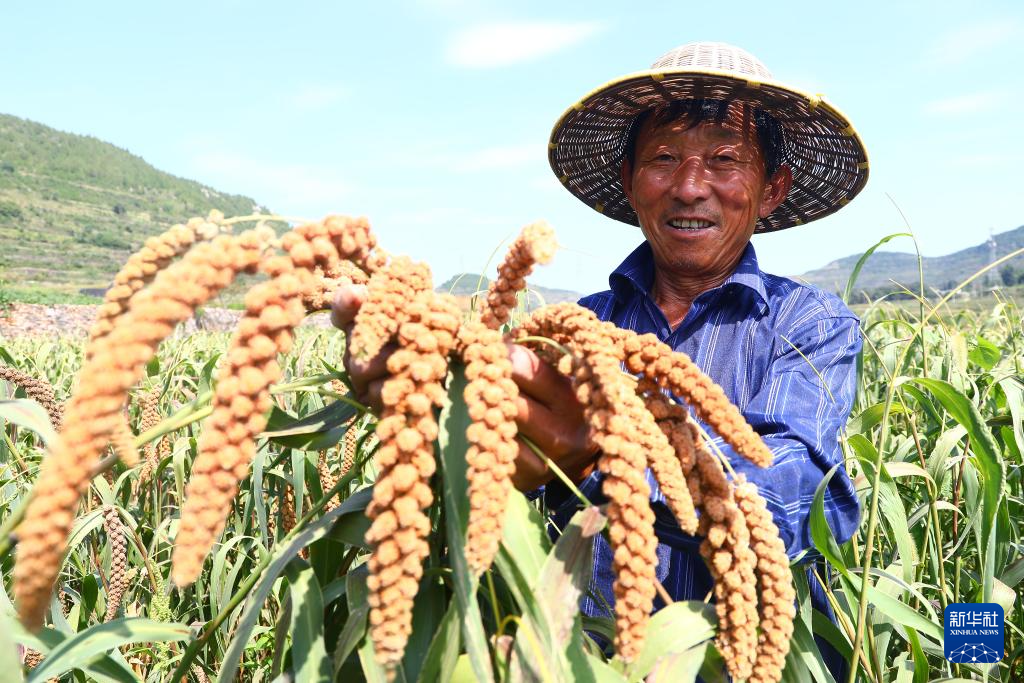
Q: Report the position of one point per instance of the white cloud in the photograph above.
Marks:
(969, 103)
(313, 96)
(486, 46)
(282, 187)
(961, 45)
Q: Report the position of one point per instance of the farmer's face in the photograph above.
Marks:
(698, 192)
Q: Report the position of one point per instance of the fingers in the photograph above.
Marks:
(367, 376)
(346, 303)
(539, 380)
(536, 422)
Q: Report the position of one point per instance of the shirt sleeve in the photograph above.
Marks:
(800, 412)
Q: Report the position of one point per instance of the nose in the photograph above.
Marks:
(691, 183)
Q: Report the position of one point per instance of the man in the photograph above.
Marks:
(701, 151)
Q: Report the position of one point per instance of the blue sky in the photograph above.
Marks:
(432, 116)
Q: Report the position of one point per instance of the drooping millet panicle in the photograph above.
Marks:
(65, 601)
(615, 414)
(612, 410)
(490, 396)
(665, 463)
(726, 547)
(94, 409)
(288, 519)
(327, 479)
(149, 415)
(727, 553)
(114, 529)
(349, 444)
(389, 290)
(142, 266)
(774, 585)
(535, 244)
(347, 451)
(287, 503)
(675, 371)
(673, 419)
(150, 418)
(407, 431)
(37, 389)
(242, 395)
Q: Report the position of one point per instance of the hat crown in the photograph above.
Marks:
(711, 55)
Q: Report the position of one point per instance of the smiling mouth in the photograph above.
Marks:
(689, 225)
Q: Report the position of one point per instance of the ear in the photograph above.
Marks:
(626, 176)
(775, 191)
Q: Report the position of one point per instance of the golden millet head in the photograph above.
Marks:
(535, 244)
(490, 396)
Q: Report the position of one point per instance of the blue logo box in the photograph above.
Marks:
(973, 633)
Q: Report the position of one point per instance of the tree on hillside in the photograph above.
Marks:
(1009, 275)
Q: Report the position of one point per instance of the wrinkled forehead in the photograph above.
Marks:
(718, 120)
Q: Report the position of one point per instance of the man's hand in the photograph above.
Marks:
(367, 376)
(548, 412)
(550, 416)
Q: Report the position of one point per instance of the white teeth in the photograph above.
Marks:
(690, 225)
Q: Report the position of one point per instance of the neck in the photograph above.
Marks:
(674, 292)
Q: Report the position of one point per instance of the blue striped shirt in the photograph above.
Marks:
(786, 354)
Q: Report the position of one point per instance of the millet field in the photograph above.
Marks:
(221, 507)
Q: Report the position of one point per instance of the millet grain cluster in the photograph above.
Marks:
(36, 388)
(632, 423)
(151, 452)
(692, 479)
(535, 244)
(490, 396)
(407, 430)
(242, 396)
(117, 579)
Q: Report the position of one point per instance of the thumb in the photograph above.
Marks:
(347, 301)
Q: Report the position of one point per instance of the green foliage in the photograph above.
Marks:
(10, 211)
(6, 298)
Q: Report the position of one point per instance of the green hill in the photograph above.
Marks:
(72, 208)
(940, 272)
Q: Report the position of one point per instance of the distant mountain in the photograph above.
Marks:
(940, 272)
(72, 207)
(467, 284)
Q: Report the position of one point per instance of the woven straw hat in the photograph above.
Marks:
(821, 147)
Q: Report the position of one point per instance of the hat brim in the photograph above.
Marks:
(825, 154)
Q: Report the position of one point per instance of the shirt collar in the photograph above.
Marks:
(636, 274)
